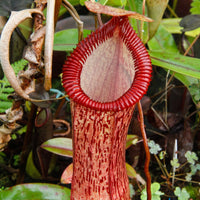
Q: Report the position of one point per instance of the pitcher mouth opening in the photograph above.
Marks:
(110, 69)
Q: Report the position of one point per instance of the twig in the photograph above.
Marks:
(156, 132)
(186, 52)
(152, 107)
(172, 11)
(166, 92)
(99, 19)
(147, 161)
(160, 118)
(163, 168)
(184, 180)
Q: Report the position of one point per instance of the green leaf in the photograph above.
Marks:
(33, 191)
(174, 163)
(5, 105)
(155, 187)
(31, 169)
(163, 40)
(136, 6)
(156, 10)
(155, 193)
(2, 158)
(181, 194)
(103, 2)
(74, 2)
(5, 87)
(131, 140)
(66, 40)
(22, 130)
(153, 147)
(195, 7)
(162, 155)
(176, 62)
(172, 25)
(60, 146)
(191, 157)
(116, 3)
(82, 2)
(130, 171)
(194, 168)
(132, 191)
(188, 177)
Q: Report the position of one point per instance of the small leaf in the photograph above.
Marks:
(194, 168)
(181, 194)
(191, 157)
(108, 10)
(155, 187)
(162, 155)
(60, 146)
(174, 163)
(153, 147)
(132, 191)
(31, 169)
(155, 193)
(131, 140)
(130, 171)
(22, 130)
(66, 177)
(33, 191)
(188, 177)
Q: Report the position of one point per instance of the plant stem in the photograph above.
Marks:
(26, 144)
(76, 17)
(146, 148)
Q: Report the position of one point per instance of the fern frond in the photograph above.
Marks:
(5, 87)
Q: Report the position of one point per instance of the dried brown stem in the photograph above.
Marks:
(147, 161)
(48, 51)
(15, 19)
